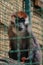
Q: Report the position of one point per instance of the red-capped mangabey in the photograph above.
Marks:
(19, 27)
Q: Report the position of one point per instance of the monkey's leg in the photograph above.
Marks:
(37, 59)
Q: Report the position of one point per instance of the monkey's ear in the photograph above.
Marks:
(13, 16)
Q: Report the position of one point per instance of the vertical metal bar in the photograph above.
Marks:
(18, 43)
(28, 11)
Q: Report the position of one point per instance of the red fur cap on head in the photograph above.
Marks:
(20, 14)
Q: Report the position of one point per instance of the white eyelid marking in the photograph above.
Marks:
(27, 20)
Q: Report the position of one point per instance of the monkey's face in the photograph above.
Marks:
(21, 21)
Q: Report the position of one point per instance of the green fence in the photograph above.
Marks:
(7, 7)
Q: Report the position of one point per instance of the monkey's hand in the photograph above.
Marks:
(23, 59)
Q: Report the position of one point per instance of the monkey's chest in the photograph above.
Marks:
(23, 49)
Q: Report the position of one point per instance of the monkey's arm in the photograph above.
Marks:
(37, 52)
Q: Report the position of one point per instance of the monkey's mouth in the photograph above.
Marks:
(20, 29)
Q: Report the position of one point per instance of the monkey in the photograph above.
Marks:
(22, 38)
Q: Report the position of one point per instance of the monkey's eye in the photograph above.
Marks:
(21, 20)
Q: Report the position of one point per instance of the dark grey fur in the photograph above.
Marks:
(33, 54)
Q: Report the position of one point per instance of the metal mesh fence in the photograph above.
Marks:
(7, 7)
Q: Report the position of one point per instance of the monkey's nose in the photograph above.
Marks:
(26, 25)
(20, 28)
